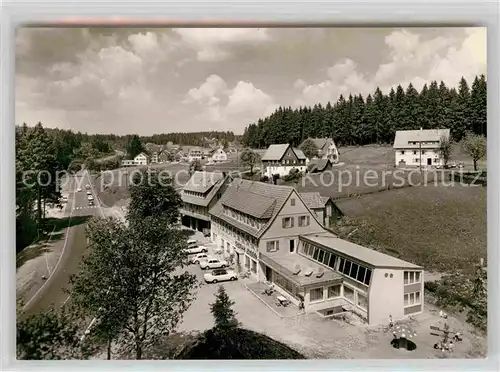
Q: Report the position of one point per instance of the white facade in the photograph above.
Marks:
(413, 157)
(219, 156)
(141, 159)
(154, 158)
(230, 244)
(282, 170)
(195, 154)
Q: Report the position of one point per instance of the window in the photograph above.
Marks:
(414, 153)
(254, 266)
(354, 270)
(284, 283)
(361, 274)
(304, 221)
(411, 277)
(333, 261)
(273, 246)
(349, 294)
(347, 267)
(423, 152)
(334, 291)
(402, 152)
(412, 299)
(321, 255)
(362, 301)
(287, 222)
(316, 253)
(292, 202)
(316, 294)
(341, 265)
(326, 259)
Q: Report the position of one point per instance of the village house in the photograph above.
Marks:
(270, 231)
(219, 155)
(200, 194)
(154, 157)
(141, 159)
(195, 153)
(326, 149)
(415, 148)
(324, 207)
(281, 159)
(319, 165)
(128, 162)
(164, 156)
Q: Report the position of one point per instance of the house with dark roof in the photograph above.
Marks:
(281, 159)
(273, 233)
(164, 156)
(319, 165)
(323, 206)
(199, 195)
(326, 149)
(415, 148)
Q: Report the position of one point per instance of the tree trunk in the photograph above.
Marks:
(109, 349)
(475, 164)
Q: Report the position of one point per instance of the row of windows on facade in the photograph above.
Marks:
(417, 160)
(195, 209)
(415, 152)
(289, 222)
(351, 269)
(284, 162)
(194, 193)
(335, 291)
(235, 233)
(423, 142)
(412, 299)
(244, 218)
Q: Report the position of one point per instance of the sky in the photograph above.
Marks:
(147, 81)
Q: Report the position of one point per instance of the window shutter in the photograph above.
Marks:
(283, 223)
(291, 221)
(308, 221)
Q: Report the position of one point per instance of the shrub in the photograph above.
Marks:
(264, 179)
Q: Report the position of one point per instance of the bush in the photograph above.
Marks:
(294, 175)
(264, 179)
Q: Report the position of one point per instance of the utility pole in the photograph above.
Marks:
(420, 154)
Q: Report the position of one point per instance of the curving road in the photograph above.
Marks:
(53, 291)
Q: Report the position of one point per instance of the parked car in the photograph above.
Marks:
(213, 263)
(64, 199)
(218, 250)
(220, 275)
(87, 187)
(91, 202)
(90, 197)
(200, 256)
(196, 249)
(78, 189)
(89, 192)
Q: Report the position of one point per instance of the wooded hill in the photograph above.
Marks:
(354, 120)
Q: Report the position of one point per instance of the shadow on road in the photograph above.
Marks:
(54, 231)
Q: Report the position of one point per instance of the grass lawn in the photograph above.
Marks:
(441, 228)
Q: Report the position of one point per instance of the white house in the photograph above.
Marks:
(154, 157)
(415, 148)
(219, 156)
(281, 159)
(141, 159)
(326, 149)
(196, 153)
(271, 232)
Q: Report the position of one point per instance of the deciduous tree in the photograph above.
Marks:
(475, 146)
(309, 148)
(249, 158)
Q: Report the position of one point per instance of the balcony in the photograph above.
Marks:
(195, 214)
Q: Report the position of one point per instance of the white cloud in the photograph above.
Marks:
(212, 44)
(229, 107)
(206, 93)
(411, 60)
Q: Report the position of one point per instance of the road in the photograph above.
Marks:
(53, 290)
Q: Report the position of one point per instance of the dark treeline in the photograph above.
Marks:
(188, 139)
(354, 120)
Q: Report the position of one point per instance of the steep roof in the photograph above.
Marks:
(358, 252)
(275, 152)
(202, 181)
(255, 193)
(299, 153)
(403, 137)
(313, 199)
(209, 194)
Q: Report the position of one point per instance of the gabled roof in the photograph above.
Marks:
(313, 199)
(202, 181)
(263, 191)
(318, 165)
(299, 153)
(403, 137)
(276, 152)
(208, 197)
(258, 206)
(358, 252)
(142, 153)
